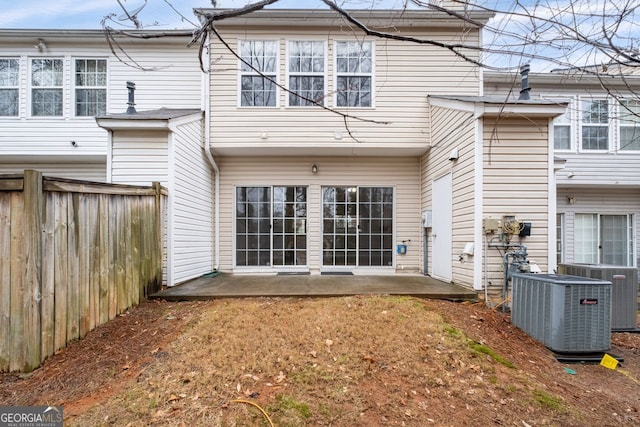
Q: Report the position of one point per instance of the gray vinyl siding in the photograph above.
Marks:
(405, 73)
(87, 171)
(453, 129)
(515, 182)
(609, 201)
(402, 173)
(192, 205)
(140, 157)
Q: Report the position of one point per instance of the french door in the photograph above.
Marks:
(271, 226)
(357, 226)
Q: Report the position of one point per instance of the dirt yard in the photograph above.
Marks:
(351, 361)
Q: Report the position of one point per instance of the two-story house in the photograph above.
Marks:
(323, 150)
(54, 82)
(598, 141)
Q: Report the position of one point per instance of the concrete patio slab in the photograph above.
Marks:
(238, 286)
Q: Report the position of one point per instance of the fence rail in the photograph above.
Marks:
(73, 255)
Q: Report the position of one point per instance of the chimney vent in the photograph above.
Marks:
(131, 87)
(524, 75)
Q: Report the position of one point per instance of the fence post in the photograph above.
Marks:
(157, 280)
(33, 210)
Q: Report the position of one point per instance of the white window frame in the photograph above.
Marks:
(15, 87)
(241, 73)
(581, 124)
(621, 112)
(337, 74)
(571, 112)
(76, 87)
(630, 231)
(32, 87)
(291, 74)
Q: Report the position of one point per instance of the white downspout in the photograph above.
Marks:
(206, 105)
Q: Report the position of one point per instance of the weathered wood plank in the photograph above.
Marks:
(17, 266)
(5, 279)
(73, 298)
(47, 306)
(84, 263)
(71, 186)
(60, 270)
(12, 183)
(94, 263)
(133, 251)
(146, 239)
(113, 261)
(121, 244)
(33, 209)
(105, 258)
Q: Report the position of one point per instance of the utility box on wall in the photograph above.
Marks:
(568, 314)
(623, 293)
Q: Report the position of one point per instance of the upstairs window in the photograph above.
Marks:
(259, 58)
(595, 124)
(90, 87)
(630, 125)
(46, 87)
(354, 74)
(306, 72)
(562, 131)
(9, 92)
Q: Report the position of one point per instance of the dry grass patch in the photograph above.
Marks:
(339, 361)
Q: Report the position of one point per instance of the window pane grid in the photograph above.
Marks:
(630, 125)
(258, 56)
(595, 124)
(306, 72)
(91, 91)
(9, 91)
(354, 70)
(46, 87)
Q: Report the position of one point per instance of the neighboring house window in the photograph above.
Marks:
(604, 239)
(354, 74)
(9, 92)
(562, 131)
(306, 72)
(630, 124)
(91, 87)
(595, 124)
(258, 73)
(46, 87)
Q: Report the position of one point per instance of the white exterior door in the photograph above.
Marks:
(442, 223)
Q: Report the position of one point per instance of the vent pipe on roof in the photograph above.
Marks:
(131, 87)
(524, 75)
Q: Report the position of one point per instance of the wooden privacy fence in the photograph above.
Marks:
(73, 255)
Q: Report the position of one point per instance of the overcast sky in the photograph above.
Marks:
(87, 14)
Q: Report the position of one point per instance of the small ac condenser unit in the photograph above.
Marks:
(568, 314)
(624, 292)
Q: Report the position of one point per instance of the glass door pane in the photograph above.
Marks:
(376, 226)
(339, 226)
(289, 226)
(614, 240)
(253, 226)
(586, 239)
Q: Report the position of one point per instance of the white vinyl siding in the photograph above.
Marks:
(515, 175)
(192, 205)
(9, 89)
(400, 173)
(88, 171)
(172, 78)
(402, 106)
(452, 129)
(140, 158)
